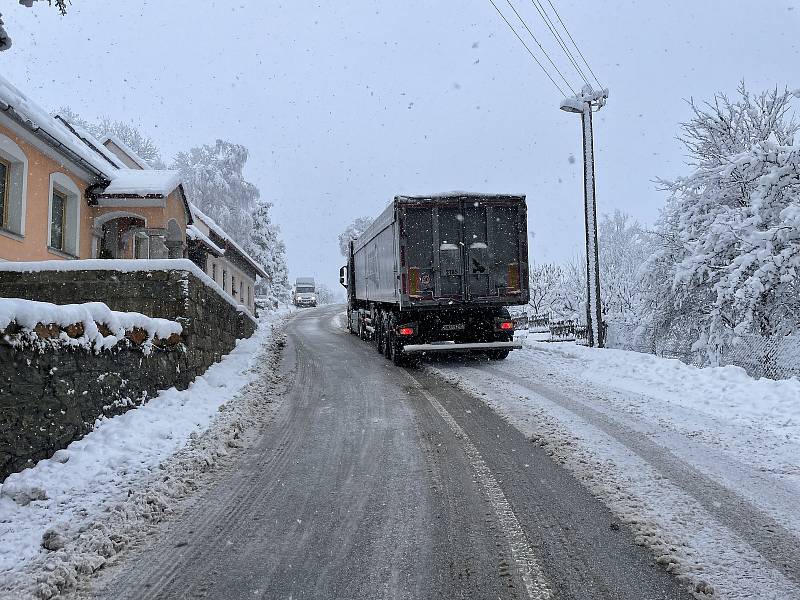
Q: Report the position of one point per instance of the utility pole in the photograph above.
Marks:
(583, 104)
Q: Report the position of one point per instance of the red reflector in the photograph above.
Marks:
(506, 325)
(406, 331)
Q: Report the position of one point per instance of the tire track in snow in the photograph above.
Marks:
(530, 572)
(169, 565)
(779, 546)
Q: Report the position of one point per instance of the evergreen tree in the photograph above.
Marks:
(265, 246)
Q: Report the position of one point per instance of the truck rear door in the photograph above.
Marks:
(491, 246)
(463, 249)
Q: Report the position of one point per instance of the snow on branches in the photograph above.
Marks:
(352, 232)
(729, 237)
(213, 178)
(266, 247)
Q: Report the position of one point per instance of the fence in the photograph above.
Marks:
(771, 357)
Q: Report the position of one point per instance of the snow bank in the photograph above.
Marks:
(27, 314)
(125, 265)
(69, 498)
(701, 463)
(727, 393)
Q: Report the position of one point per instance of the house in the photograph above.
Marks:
(222, 259)
(67, 195)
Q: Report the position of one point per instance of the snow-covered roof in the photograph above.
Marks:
(129, 152)
(71, 139)
(136, 182)
(39, 120)
(219, 231)
(92, 142)
(194, 233)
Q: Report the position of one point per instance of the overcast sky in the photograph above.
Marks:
(345, 104)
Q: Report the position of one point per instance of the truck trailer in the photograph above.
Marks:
(305, 292)
(437, 273)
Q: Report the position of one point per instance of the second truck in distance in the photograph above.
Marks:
(437, 273)
(305, 293)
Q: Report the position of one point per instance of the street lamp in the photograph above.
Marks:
(583, 103)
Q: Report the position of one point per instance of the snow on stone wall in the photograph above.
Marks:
(56, 380)
(88, 325)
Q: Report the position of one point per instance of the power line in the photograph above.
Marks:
(533, 56)
(574, 44)
(525, 25)
(559, 40)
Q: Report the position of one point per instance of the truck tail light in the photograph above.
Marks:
(405, 331)
(413, 280)
(513, 276)
(506, 325)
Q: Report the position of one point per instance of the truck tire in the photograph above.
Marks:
(498, 354)
(388, 337)
(379, 339)
(397, 357)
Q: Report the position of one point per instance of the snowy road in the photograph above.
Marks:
(378, 482)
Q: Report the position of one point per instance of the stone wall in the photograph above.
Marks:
(50, 398)
(51, 395)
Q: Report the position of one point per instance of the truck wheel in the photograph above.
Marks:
(388, 338)
(498, 354)
(379, 341)
(397, 357)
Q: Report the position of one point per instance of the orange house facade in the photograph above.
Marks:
(66, 195)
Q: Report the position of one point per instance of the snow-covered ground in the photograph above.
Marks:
(702, 464)
(91, 499)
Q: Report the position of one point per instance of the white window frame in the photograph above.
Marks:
(61, 183)
(17, 160)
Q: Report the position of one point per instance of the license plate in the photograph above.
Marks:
(453, 327)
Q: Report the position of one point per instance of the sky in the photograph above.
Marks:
(345, 104)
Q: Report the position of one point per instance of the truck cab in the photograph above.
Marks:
(304, 295)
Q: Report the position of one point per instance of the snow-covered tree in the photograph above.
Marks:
(352, 232)
(624, 247)
(570, 295)
(266, 247)
(214, 180)
(128, 134)
(545, 282)
(324, 294)
(729, 237)
(144, 146)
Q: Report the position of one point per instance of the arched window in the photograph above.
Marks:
(63, 226)
(13, 186)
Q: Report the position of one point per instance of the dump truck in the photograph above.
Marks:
(305, 292)
(437, 273)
